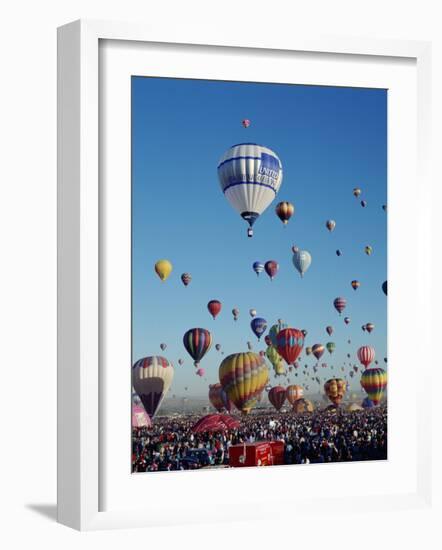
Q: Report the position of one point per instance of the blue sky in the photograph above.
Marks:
(329, 140)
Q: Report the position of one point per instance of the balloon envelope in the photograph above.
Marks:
(197, 342)
(250, 176)
(302, 260)
(243, 376)
(163, 269)
(151, 378)
(290, 342)
(277, 397)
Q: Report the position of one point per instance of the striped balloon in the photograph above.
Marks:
(374, 382)
(277, 397)
(335, 389)
(243, 377)
(294, 393)
(284, 210)
(366, 355)
(151, 378)
(258, 267)
(197, 342)
(250, 176)
(340, 304)
(289, 343)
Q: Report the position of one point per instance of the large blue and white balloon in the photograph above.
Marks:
(250, 176)
(302, 260)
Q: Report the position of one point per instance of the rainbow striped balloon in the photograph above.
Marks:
(197, 342)
(243, 377)
(374, 382)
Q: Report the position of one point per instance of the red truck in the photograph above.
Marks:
(260, 453)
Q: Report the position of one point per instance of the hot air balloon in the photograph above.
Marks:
(338, 252)
(384, 287)
(355, 284)
(258, 267)
(268, 340)
(318, 351)
(374, 382)
(151, 379)
(197, 342)
(163, 269)
(200, 372)
(357, 192)
(367, 403)
(250, 176)
(218, 347)
(302, 260)
(368, 250)
(243, 377)
(140, 419)
(276, 360)
(366, 355)
(363, 328)
(277, 397)
(295, 249)
(331, 346)
(163, 346)
(235, 313)
(215, 423)
(302, 405)
(369, 327)
(246, 123)
(290, 342)
(249, 345)
(273, 332)
(347, 320)
(304, 332)
(180, 361)
(252, 312)
(363, 204)
(218, 398)
(214, 307)
(308, 350)
(186, 278)
(340, 304)
(293, 393)
(271, 268)
(335, 389)
(258, 326)
(284, 210)
(330, 225)
(329, 330)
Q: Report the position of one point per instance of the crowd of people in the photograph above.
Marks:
(318, 437)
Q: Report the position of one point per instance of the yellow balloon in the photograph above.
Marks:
(163, 269)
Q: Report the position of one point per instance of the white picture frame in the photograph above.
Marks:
(80, 266)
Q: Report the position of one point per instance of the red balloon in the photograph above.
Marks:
(214, 307)
(277, 397)
(289, 343)
(271, 268)
(366, 355)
